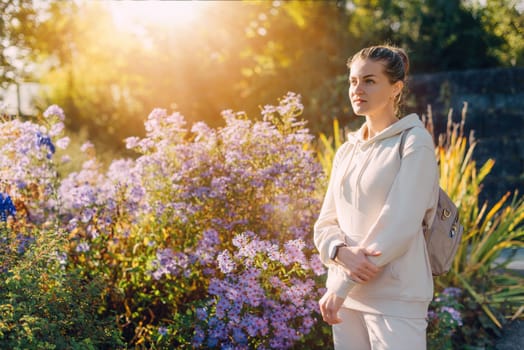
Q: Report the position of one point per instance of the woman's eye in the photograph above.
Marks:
(370, 81)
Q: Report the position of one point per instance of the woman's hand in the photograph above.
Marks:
(355, 260)
(330, 303)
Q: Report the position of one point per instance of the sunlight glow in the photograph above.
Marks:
(173, 14)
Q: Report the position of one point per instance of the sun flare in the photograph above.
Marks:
(162, 13)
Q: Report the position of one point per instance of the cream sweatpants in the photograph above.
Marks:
(366, 331)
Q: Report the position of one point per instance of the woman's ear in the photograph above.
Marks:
(397, 87)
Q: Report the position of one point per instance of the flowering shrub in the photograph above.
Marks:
(444, 318)
(26, 168)
(37, 295)
(200, 213)
(27, 180)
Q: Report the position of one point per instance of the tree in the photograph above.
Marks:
(503, 19)
(16, 31)
(240, 54)
(440, 35)
(89, 71)
(253, 52)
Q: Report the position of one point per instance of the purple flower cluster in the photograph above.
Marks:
(454, 313)
(444, 312)
(452, 292)
(26, 164)
(168, 262)
(263, 298)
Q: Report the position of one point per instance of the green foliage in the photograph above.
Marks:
(17, 30)
(503, 19)
(123, 260)
(105, 101)
(44, 307)
(439, 34)
(494, 292)
(444, 319)
(251, 54)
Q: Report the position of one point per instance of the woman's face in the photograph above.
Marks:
(370, 92)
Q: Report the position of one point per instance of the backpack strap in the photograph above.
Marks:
(402, 141)
(401, 153)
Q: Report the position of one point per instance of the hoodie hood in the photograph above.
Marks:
(409, 121)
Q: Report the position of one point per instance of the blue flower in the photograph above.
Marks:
(44, 140)
(162, 330)
(6, 207)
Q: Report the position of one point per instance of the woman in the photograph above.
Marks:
(369, 232)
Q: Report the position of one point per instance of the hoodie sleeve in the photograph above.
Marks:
(413, 192)
(327, 233)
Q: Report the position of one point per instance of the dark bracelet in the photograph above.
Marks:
(335, 251)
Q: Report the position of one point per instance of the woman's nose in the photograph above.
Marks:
(356, 89)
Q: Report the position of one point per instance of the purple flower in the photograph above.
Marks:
(162, 330)
(201, 313)
(82, 247)
(54, 110)
(293, 252)
(87, 147)
(132, 142)
(63, 142)
(56, 129)
(202, 130)
(206, 185)
(23, 242)
(432, 314)
(239, 336)
(455, 314)
(316, 265)
(199, 337)
(87, 215)
(169, 262)
(225, 262)
(61, 258)
(452, 292)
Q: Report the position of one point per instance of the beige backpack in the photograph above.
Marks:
(444, 235)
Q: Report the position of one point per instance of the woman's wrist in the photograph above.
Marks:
(334, 252)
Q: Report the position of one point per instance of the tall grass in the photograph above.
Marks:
(490, 229)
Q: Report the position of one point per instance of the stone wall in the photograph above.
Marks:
(495, 113)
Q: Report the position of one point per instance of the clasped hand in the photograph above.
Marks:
(359, 268)
(356, 263)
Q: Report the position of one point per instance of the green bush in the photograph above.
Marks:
(43, 306)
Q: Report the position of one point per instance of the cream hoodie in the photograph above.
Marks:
(376, 200)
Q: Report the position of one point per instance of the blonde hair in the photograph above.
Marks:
(396, 66)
